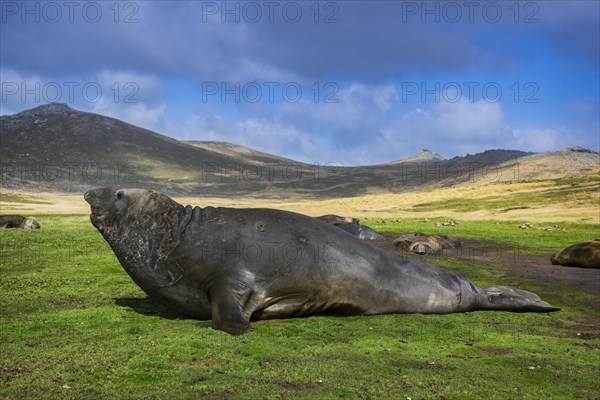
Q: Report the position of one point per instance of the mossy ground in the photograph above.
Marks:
(74, 326)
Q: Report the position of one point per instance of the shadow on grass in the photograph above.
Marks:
(147, 306)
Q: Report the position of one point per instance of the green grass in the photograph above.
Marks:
(74, 326)
(535, 241)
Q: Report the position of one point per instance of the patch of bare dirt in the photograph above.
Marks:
(215, 395)
(170, 326)
(298, 386)
(585, 328)
(200, 364)
(495, 351)
(7, 374)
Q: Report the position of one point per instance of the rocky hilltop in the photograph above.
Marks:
(424, 156)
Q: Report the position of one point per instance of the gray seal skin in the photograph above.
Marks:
(352, 226)
(237, 265)
(17, 221)
(582, 255)
(360, 231)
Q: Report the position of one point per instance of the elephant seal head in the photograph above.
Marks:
(30, 224)
(421, 243)
(141, 226)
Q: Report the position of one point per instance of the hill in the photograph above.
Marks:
(236, 151)
(56, 148)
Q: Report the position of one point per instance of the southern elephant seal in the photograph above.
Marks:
(236, 265)
(337, 220)
(361, 231)
(17, 221)
(421, 243)
(352, 226)
(582, 255)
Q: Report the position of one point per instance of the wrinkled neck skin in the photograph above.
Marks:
(144, 238)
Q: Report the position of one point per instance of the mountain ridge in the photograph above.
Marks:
(54, 147)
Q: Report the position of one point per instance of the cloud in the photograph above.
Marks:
(19, 91)
(130, 87)
(447, 127)
(586, 121)
(469, 127)
(138, 114)
(368, 126)
(541, 139)
(135, 98)
(176, 41)
(346, 116)
(572, 27)
(307, 130)
(163, 55)
(374, 41)
(263, 134)
(479, 121)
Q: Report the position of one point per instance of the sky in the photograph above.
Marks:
(345, 82)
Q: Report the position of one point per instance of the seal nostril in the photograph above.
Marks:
(89, 196)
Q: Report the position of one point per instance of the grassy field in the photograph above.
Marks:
(542, 238)
(567, 200)
(74, 326)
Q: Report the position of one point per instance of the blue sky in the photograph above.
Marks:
(348, 82)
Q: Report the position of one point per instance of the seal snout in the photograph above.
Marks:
(91, 196)
(98, 200)
(421, 249)
(96, 197)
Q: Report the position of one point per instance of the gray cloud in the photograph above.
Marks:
(366, 53)
(370, 42)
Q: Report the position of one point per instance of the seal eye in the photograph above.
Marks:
(119, 195)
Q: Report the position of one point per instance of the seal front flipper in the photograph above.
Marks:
(506, 298)
(227, 312)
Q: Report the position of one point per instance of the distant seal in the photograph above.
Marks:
(582, 255)
(237, 265)
(17, 221)
(352, 226)
(362, 232)
(337, 220)
(421, 243)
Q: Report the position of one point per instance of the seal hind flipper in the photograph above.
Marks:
(506, 298)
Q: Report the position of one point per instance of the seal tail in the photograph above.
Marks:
(506, 298)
